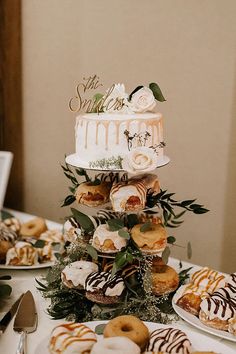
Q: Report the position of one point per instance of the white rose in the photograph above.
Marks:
(140, 159)
(143, 100)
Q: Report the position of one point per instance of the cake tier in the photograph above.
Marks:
(112, 136)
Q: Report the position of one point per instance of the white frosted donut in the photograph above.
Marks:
(75, 274)
(71, 338)
(115, 345)
(107, 241)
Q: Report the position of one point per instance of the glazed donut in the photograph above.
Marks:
(107, 241)
(92, 195)
(69, 338)
(117, 345)
(164, 279)
(75, 274)
(128, 326)
(33, 228)
(152, 241)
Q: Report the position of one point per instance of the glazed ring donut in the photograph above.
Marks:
(71, 338)
(128, 326)
(152, 241)
(33, 228)
(117, 345)
(164, 279)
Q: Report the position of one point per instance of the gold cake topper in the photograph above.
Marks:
(99, 102)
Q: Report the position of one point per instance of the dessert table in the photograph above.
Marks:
(23, 280)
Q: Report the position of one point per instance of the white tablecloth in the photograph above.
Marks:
(23, 280)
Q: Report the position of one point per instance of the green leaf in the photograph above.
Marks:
(39, 244)
(97, 97)
(72, 178)
(196, 206)
(92, 252)
(82, 172)
(84, 221)
(187, 202)
(171, 239)
(5, 290)
(157, 92)
(115, 224)
(99, 329)
(132, 220)
(177, 216)
(68, 200)
(5, 215)
(146, 227)
(200, 211)
(123, 233)
(189, 250)
(165, 255)
(96, 182)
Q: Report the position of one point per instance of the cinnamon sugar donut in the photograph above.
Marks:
(69, 338)
(164, 279)
(152, 241)
(128, 326)
(33, 228)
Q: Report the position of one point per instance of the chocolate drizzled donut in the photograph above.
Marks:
(169, 340)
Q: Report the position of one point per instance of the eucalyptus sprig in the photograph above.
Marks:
(169, 205)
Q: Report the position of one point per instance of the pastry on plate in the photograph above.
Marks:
(12, 223)
(164, 279)
(107, 241)
(91, 194)
(33, 228)
(22, 254)
(128, 196)
(75, 273)
(8, 238)
(151, 241)
(103, 288)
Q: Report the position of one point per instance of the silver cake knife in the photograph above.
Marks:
(9, 315)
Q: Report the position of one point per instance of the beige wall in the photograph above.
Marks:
(188, 47)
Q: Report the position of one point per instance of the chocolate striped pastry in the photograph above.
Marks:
(8, 238)
(169, 340)
(128, 196)
(202, 284)
(102, 287)
(12, 223)
(218, 309)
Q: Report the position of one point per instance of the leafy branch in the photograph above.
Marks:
(168, 204)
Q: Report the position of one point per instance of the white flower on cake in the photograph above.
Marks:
(116, 92)
(140, 159)
(142, 100)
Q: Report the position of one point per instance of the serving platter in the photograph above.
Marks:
(35, 266)
(75, 161)
(194, 321)
(200, 342)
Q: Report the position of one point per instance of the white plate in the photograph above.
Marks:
(24, 218)
(199, 341)
(75, 161)
(35, 266)
(193, 320)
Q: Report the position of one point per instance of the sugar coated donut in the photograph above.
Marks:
(164, 279)
(69, 338)
(33, 228)
(117, 345)
(128, 326)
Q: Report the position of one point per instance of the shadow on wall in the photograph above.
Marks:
(228, 257)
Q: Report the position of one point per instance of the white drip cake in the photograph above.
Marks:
(110, 139)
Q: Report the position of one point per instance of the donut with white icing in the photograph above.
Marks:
(169, 340)
(102, 287)
(115, 345)
(70, 338)
(107, 241)
(75, 274)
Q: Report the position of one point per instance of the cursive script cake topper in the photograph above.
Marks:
(99, 102)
